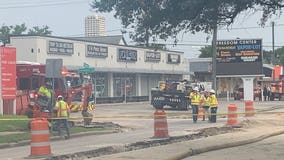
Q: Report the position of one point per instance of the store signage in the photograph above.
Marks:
(152, 56)
(127, 55)
(239, 51)
(173, 58)
(63, 48)
(239, 57)
(96, 51)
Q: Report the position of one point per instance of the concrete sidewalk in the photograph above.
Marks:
(182, 150)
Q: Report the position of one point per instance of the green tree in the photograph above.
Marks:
(164, 19)
(206, 52)
(40, 31)
(279, 54)
(266, 57)
(7, 31)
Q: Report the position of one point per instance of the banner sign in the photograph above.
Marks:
(173, 58)
(239, 57)
(127, 55)
(96, 51)
(63, 48)
(8, 72)
(152, 56)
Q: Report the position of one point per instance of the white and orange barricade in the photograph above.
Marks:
(160, 124)
(232, 117)
(249, 109)
(40, 146)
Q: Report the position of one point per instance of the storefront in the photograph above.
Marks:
(121, 72)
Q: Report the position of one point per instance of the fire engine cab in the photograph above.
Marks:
(30, 76)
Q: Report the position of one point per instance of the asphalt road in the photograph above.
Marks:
(132, 115)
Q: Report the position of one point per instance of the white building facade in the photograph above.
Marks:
(94, 26)
(119, 69)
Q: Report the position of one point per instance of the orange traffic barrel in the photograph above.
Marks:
(232, 118)
(200, 112)
(160, 124)
(249, 109)
(40, 146)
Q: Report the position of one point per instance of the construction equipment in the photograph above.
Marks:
(173, 94)
(276, 90)
(30, 76)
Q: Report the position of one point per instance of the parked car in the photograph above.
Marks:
(239, 94)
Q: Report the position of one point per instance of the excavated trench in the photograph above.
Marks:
(144, 144)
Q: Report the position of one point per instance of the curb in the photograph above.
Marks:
(53, 138)
(196, 151)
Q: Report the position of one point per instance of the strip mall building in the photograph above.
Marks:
(119, 69)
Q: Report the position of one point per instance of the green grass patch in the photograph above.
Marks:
(18, 129)
(13, 138)
(11, 123)
(16, 137)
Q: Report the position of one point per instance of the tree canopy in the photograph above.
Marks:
(163, 19)
(7, 31)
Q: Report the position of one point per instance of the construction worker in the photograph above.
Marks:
(45, 94)
(194, 97)
(62, 110)
(213, 106)
(205, 102)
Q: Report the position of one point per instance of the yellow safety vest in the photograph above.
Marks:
(62, 108)
(45, 91)
(195, 98)
(206, 101)
(213, 101)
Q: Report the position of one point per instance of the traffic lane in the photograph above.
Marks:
(145, 109)
(270, 148)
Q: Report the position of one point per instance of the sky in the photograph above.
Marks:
(66, 18)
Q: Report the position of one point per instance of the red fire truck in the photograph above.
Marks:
(30, 76)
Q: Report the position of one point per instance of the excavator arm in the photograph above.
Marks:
(86, 91)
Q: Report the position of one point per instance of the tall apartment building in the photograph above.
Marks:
(95, 26)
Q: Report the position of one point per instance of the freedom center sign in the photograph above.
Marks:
(239, 57)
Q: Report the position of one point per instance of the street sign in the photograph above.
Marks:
(54, 68)
(86, 69)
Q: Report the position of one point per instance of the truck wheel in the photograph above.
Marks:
(183, 106)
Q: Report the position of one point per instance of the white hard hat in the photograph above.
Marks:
(59, 96)
(195, 88)
(212, 91)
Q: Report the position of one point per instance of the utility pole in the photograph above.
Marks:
(214, 50)
(273, 52)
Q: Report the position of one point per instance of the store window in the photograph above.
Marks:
(124, 84)
(101, 85)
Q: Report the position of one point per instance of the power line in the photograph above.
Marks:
(47, 3)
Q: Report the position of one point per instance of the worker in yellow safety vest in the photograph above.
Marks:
(62, 110)
(213, 106)
(45, 95)
(205, 103)
(194, 97)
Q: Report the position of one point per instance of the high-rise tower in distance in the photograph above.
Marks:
(95, 26)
